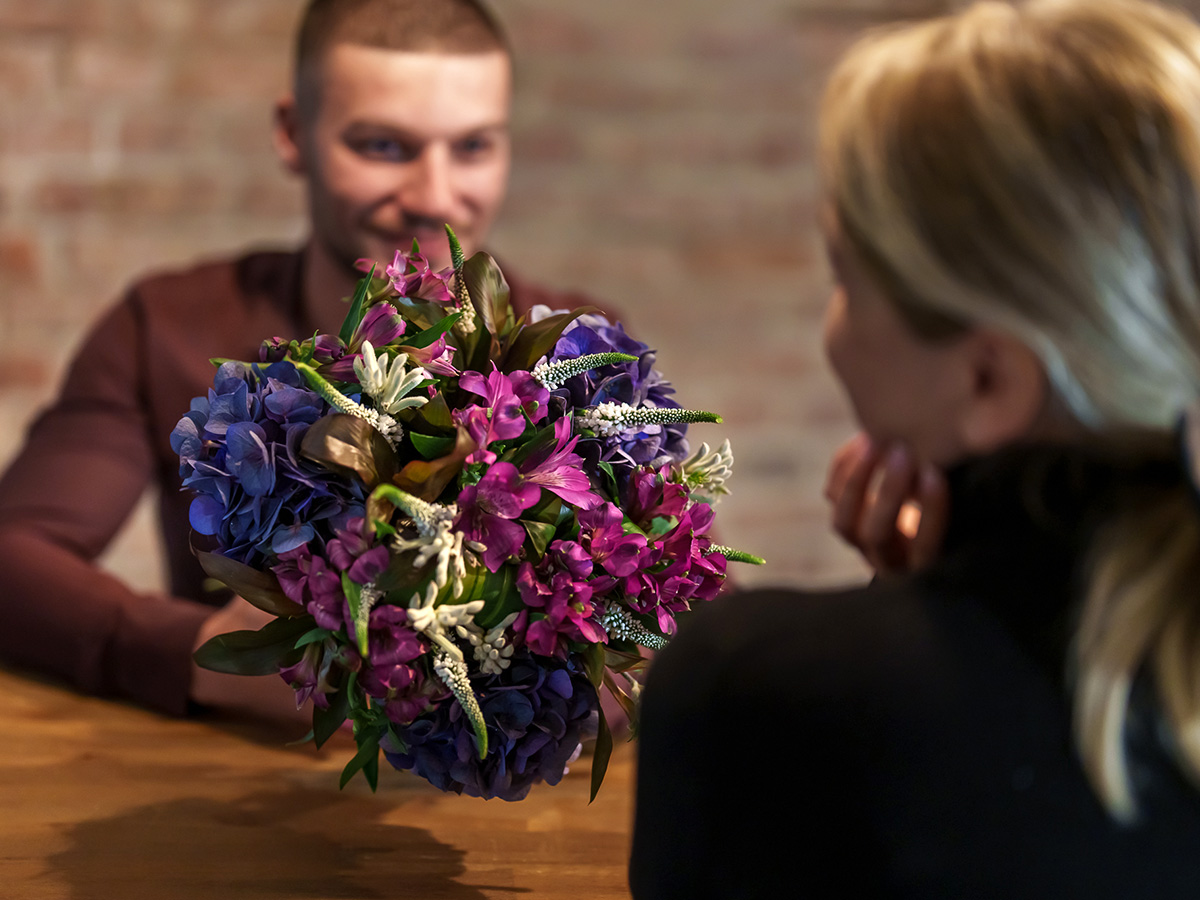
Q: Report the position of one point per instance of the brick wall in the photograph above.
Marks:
(663, 162)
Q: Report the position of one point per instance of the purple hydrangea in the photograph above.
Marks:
(239, 452)
(636, 383)
(538, 713)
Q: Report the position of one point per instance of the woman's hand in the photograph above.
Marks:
(892, 511)
(263, 698)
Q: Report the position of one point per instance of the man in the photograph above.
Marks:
(398, 123)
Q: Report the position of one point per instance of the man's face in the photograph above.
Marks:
(394, 145)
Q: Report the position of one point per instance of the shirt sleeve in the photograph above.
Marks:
(84, 465)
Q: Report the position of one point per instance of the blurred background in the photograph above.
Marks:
(663, 162)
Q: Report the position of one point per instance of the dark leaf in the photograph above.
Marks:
(535, 341)
(500, 598)
(352, 447)
(256, 587)
(593, 664)
(326, 722)
(429, 335)
(540, 534)
(262, 652)
(489, 292)
(437, 413)
(431, 447)
(355, 313)
(426, 479)
(600, 756)
(368, 751)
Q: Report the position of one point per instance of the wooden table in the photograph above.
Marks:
(102, 800)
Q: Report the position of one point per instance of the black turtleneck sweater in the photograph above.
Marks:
(911, 738)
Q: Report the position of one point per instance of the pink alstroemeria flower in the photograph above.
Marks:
(413, 277)
(486, 511)
(507, 400)
(560, 471)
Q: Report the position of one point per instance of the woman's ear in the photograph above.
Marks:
(286, 136)
(1007, 392)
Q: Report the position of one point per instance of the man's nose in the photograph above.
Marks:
(428, 188)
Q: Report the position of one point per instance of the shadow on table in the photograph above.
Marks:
(291, 842)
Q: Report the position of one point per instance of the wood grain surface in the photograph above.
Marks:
(102, 800)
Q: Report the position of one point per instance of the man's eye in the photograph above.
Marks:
(472, 147)
(381, 148)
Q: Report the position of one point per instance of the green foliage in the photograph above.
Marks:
(262, 652)
(259, 588)
(357, 307)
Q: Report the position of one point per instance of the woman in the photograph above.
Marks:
(1013, 220)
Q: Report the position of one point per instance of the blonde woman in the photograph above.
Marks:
(1013, 221)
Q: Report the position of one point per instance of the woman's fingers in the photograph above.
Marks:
(849, 479)
(933, 498)
(892, 511)
(883, 544)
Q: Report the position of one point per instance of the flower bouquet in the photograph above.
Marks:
(465, 524)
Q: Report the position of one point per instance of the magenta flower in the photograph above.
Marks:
(508, 399)
(412, 277)
(486, 511)
(436, 358)
(351, 553)
(560, 471)
(601, 534)
(311, 582)
(562, 588)
(381, 324)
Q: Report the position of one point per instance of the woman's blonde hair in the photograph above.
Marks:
(1035, 168)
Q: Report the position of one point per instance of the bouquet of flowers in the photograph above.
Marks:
(465, 524)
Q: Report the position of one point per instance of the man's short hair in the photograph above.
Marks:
(439, 26)
(417, 26)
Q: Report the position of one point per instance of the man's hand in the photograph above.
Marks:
(265, 697)
(892, 511)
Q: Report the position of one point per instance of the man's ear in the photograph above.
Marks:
(286, 136)
(1008, 392)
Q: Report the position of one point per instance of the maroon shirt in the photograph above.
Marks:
(88, 458)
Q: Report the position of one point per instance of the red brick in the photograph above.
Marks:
(22, 370)
(272, 19)
(29, 68)
(136, 195)
(163, 128)
(119, 70)
(31, 130)
(270, 197)
(233, 73)
(57, 15)
(19, 260)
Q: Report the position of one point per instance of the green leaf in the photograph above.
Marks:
(535, 341)
(601, 755)
(427, 479)
(256, 587)
(429, 335)
(326, 722)
(431, 447)
(355, 314)
(628, 704)
(352, 447)
(496, 591)
(424, 314)
(262, 652)
(489, 292)
(353, 592)
(540, 534)
(368, 751)
(312, 637)
(593, 664)
(437, 413)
